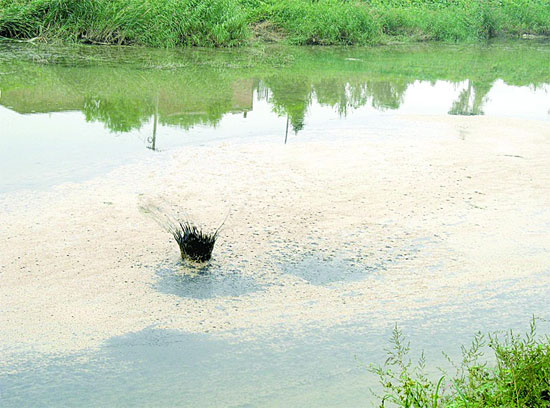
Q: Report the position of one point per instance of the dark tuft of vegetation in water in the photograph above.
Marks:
(195, 244)
(517, 375)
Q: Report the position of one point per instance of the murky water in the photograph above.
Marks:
(97, 109)
(67, 115)
(319, 368)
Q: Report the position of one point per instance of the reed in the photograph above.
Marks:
(195, 244)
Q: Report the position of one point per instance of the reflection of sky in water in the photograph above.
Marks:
(44, 149)
(316, 367)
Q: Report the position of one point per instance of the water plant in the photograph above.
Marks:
(516, 375)
(195, 244)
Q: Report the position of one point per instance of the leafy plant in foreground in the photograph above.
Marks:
(519, 376)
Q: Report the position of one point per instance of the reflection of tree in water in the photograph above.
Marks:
(292, 96)
(334, 93)
(345, 95)
(471, 99)
(386, 94)
(188, 120)
(289, 96)
(194, 92)
(118, 114)
(128, 99)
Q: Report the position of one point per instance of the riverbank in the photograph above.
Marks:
(229, 23)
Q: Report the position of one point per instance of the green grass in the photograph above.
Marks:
(157, 23)
(171, 23)
(517, 375)
(324, 22)
(462, 20)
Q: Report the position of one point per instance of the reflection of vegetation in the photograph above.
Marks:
(118, 114)
(290, 96)
(386, 95)
(470, 100)
(124, 89)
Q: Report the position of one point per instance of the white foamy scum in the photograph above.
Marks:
(447, 211)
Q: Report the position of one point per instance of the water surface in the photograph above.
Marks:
(71, 114)
(318, 367)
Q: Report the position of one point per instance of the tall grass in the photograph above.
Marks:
(325, 22)
(463, 20)
(157, 23)
(374, 21)
(517, 375)
(170, 23)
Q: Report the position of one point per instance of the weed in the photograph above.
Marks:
(520, 377)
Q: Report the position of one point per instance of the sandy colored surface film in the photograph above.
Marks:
(446, 211)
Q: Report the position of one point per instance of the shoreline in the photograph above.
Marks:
(260, 42)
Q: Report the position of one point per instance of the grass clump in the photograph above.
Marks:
(195, 244)
(519, 376)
